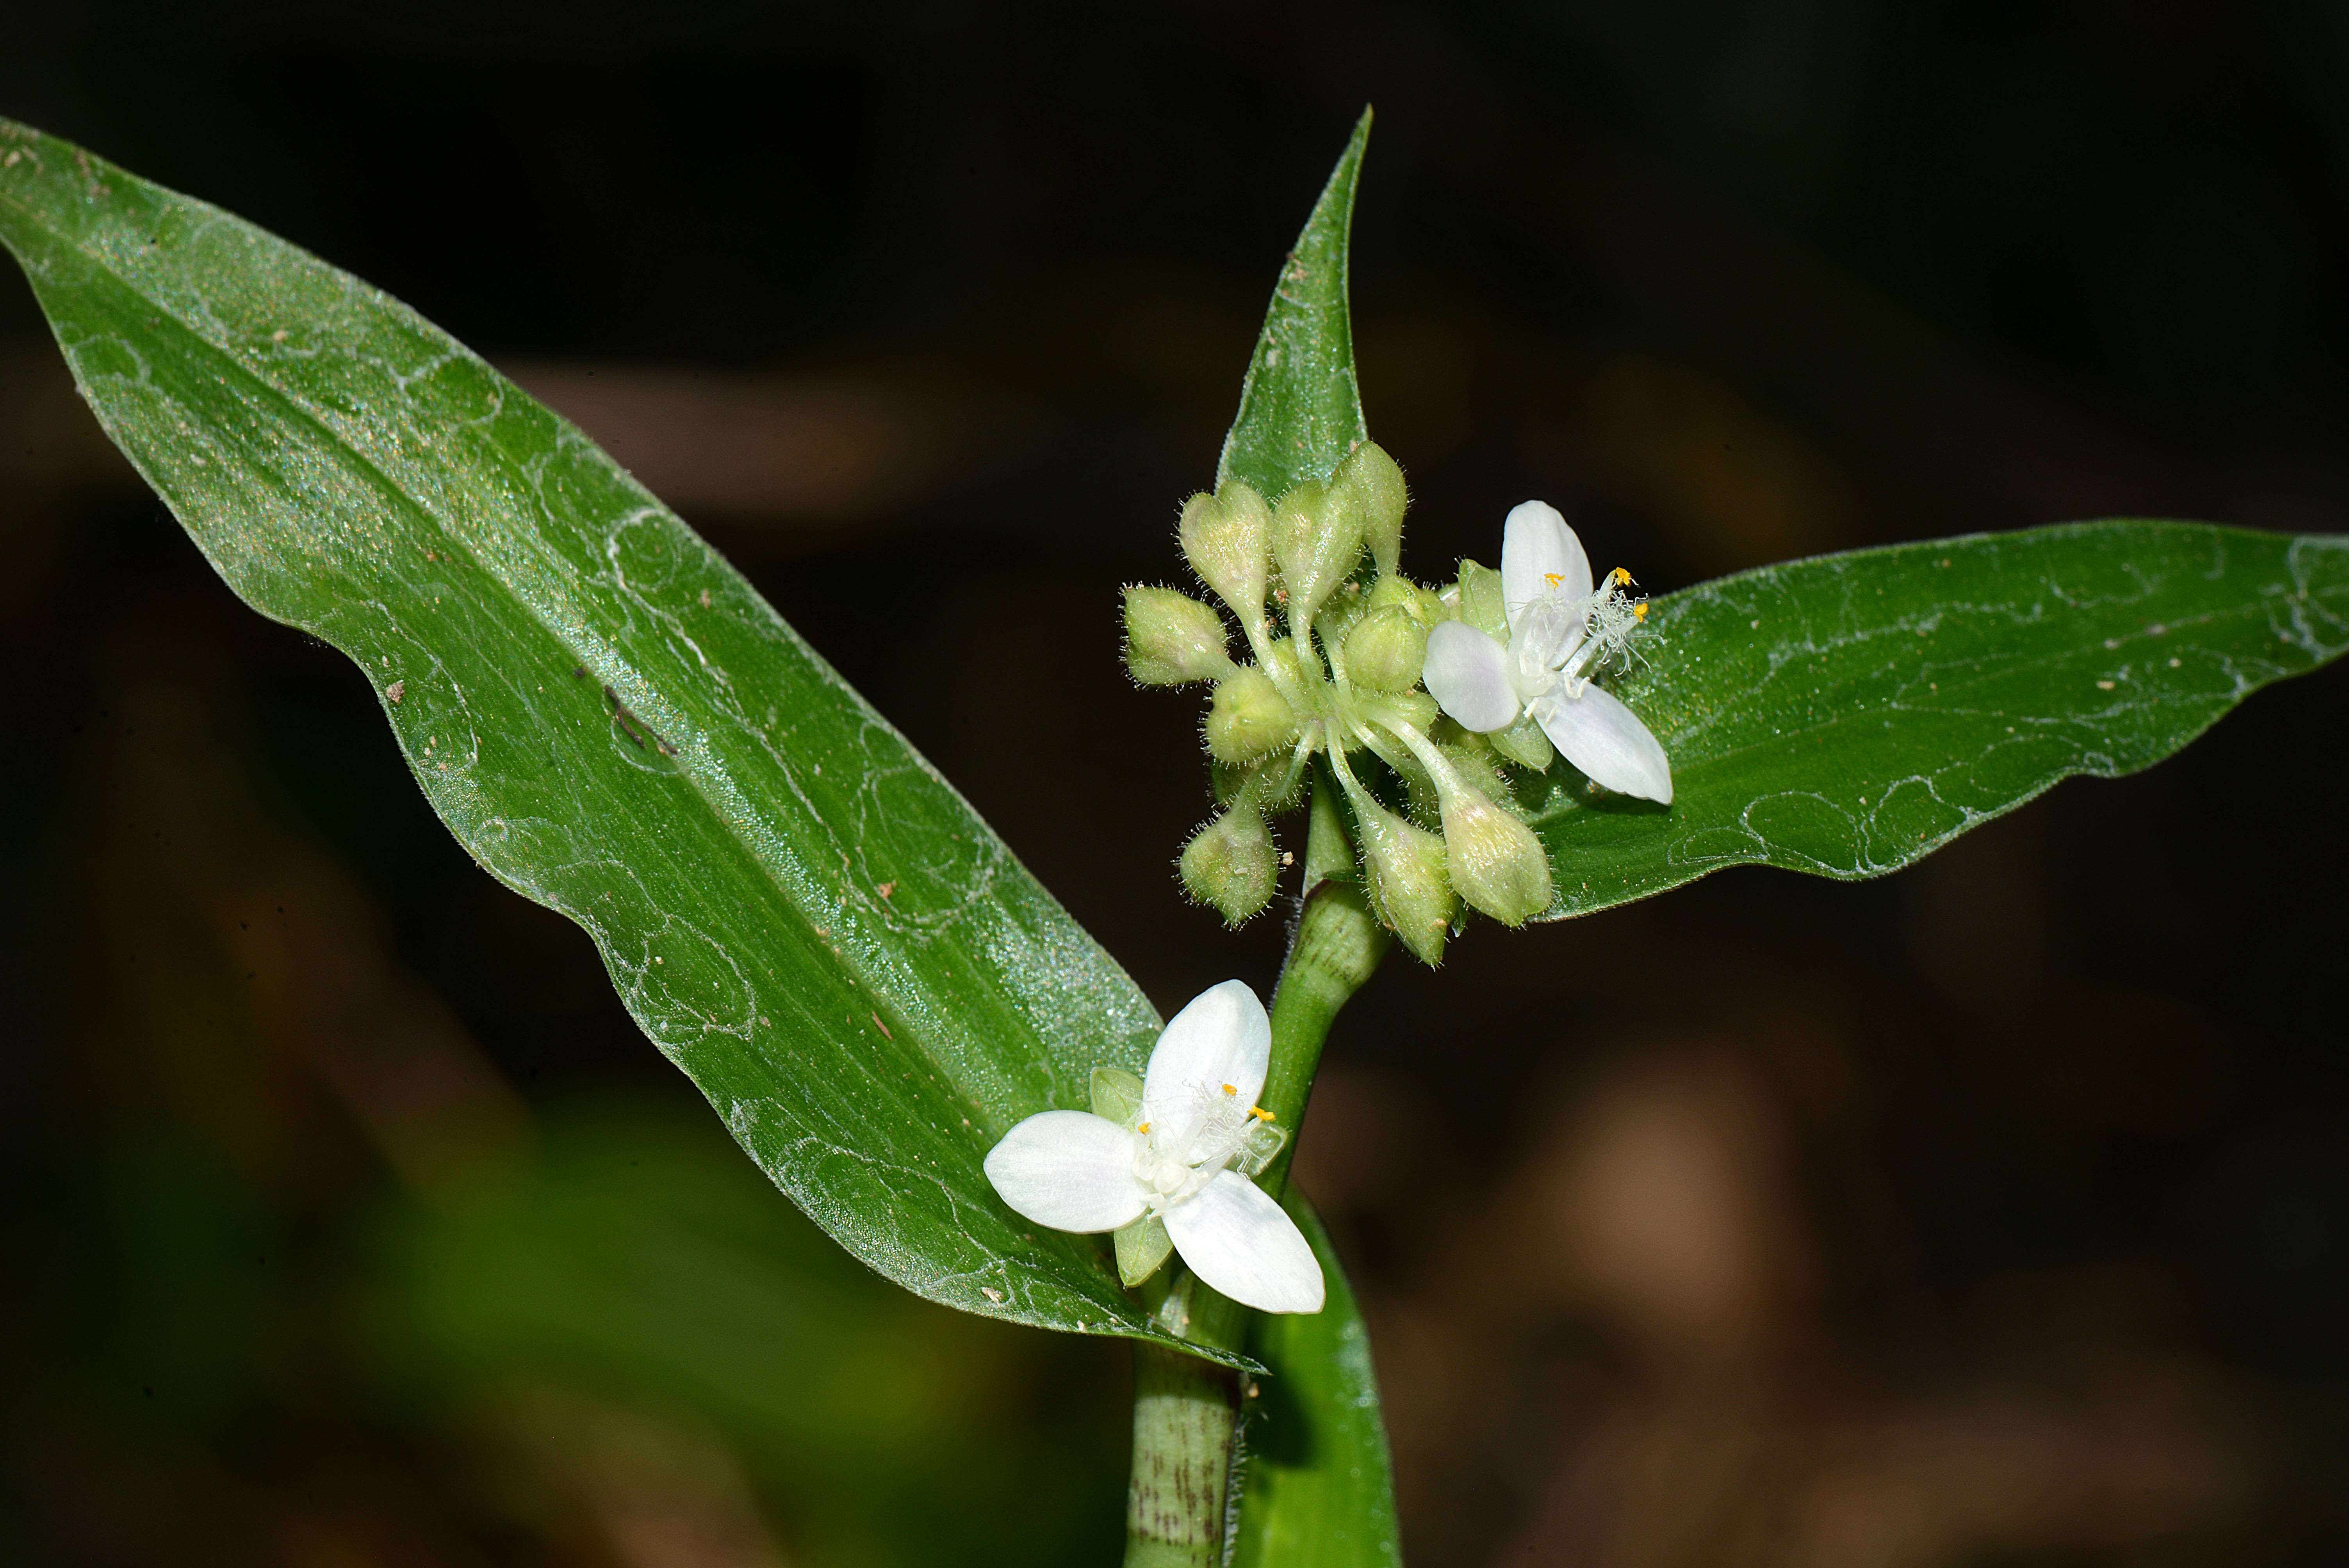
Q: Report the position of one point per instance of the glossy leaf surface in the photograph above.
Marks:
(802, 915)
(1845, 715)
(1319, 1486)
(1300, 407)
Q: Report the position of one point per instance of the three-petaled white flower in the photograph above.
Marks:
(1170, 1159)
(1558, 626)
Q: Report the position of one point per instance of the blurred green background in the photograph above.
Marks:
(1996, 1212)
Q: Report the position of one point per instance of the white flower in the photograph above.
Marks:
(1558, 626)
(1170, 1161)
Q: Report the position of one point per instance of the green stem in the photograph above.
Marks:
(1186, 1410)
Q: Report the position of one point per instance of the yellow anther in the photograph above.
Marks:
(1258, 1111)
(1623, 578)
(1639, 612)
(1144, 1127)
(1553, 578)
(1231, 1089)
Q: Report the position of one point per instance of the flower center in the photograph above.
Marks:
(1186, 1147)
(1557, 638)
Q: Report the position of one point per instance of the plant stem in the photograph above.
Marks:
(1178, 1493)
(1180, 1496)
(1336, 947)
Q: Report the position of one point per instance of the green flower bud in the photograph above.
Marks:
(1172, 638)
(1248, 718)
(1372, 476)
(1231, 864)
(1224, 538)
(1385, 650)
(1495, 861)
(1406, 880)
(1480, 600)
(1393, 589)
(1317, 537)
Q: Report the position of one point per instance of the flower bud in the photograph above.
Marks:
(1372, 476)
(1495, 861)
(1385, 650)
(1317, 537)
(1248, 718)
(1232, 863)
(1480, 600)
(1224, 538)
(1406, 880)
(1170, 638)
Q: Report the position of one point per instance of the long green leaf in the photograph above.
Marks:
(1320, 1487)
(1847, 715)
(1300, 408)
(797, 909)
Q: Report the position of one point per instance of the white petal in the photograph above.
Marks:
(1222, 1038)
(1467, 674)
(1069, 1169)
(1536, 546)
(1238, 1240)
(1607, 741)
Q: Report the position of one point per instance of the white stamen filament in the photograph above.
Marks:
(1175, 1162)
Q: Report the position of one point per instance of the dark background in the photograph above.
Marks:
(1994, 1212)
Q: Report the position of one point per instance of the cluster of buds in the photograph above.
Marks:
(1337, 650)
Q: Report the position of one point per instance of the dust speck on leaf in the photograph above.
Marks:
(398, 689)
(887, 889)
(883, 1028)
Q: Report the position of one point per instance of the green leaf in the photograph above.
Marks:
(1847, 715)
(1320, 1487)
(1300, 411)
(798, 911)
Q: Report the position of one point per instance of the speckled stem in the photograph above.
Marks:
(1177, 1495)
(1182, 1489)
